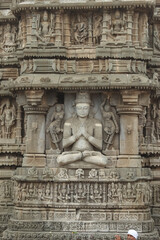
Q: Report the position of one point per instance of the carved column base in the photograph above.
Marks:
(34, 160)
(129, 161)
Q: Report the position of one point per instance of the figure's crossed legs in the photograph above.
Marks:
(87, 156)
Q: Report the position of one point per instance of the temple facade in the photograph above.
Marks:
(79, 119)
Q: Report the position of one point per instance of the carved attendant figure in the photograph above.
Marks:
(8, 117)
(110, 123)
(118, 23)
(44, 28)
(82, 136)
(80, 31)
(9, 40)
(55, 127)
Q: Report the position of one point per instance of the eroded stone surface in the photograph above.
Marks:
(79, 119)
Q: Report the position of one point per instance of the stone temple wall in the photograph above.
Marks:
(79, 119)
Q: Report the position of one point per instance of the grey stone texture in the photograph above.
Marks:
(79, 119)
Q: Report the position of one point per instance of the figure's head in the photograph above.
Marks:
(82, 109)
(8, 27)
(117, 14)
(45, 16)
(58, 107)
(83, 103)
(8, 104)
(132, 235)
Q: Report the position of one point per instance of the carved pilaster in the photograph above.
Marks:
(35, 131)
(129, 112)
(19, 125)
(135, 29)
(145, 31)
(90, 30)
(67, 30)
(58, 38)
(34, 97)
(29, 27)
(35, 136)
(104, 26)
(129, 27)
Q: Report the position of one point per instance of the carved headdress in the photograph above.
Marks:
(83, 97)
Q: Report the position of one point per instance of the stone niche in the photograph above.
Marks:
(79, 119)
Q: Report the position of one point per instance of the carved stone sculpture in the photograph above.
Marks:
(80, 29)
(9, 44)
(118, 27)
(45, 28)
(97, 29)
(55, 128)
(82, 134)
(8, 117)
(79, 119)
(110, 124)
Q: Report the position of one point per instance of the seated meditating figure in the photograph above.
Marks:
(82, 136)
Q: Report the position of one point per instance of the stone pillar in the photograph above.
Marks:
(29, 27)
(135, 29)
(19, 125)
(67, 30)
(35, 133)
(23, 19)
(145, 31)
(129, 27)
(58, 38)
(90, 30)
(129, 112)
(104, 27)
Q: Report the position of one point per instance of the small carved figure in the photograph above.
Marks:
(156, 77)
(32, 172)
(145, 36)
(45, 29)
(82, 135)
(8, 117)
(79, 173)
(97, 30)
(80, 30)
(47, 172)
(63, 173)
(55, 127)
(117, 23)
(9, 39)
(93, 174)
(156, 39)
(118, 27)
(110, 123)
(20, 35)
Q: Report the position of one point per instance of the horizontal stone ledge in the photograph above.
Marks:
(80, 226)
(82, 81)
(76, 4)
(74, 235)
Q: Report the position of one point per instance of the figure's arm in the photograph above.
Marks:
(68, 138)
(115, 122)
(53, 116)
(96, 140)
(102, 105)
